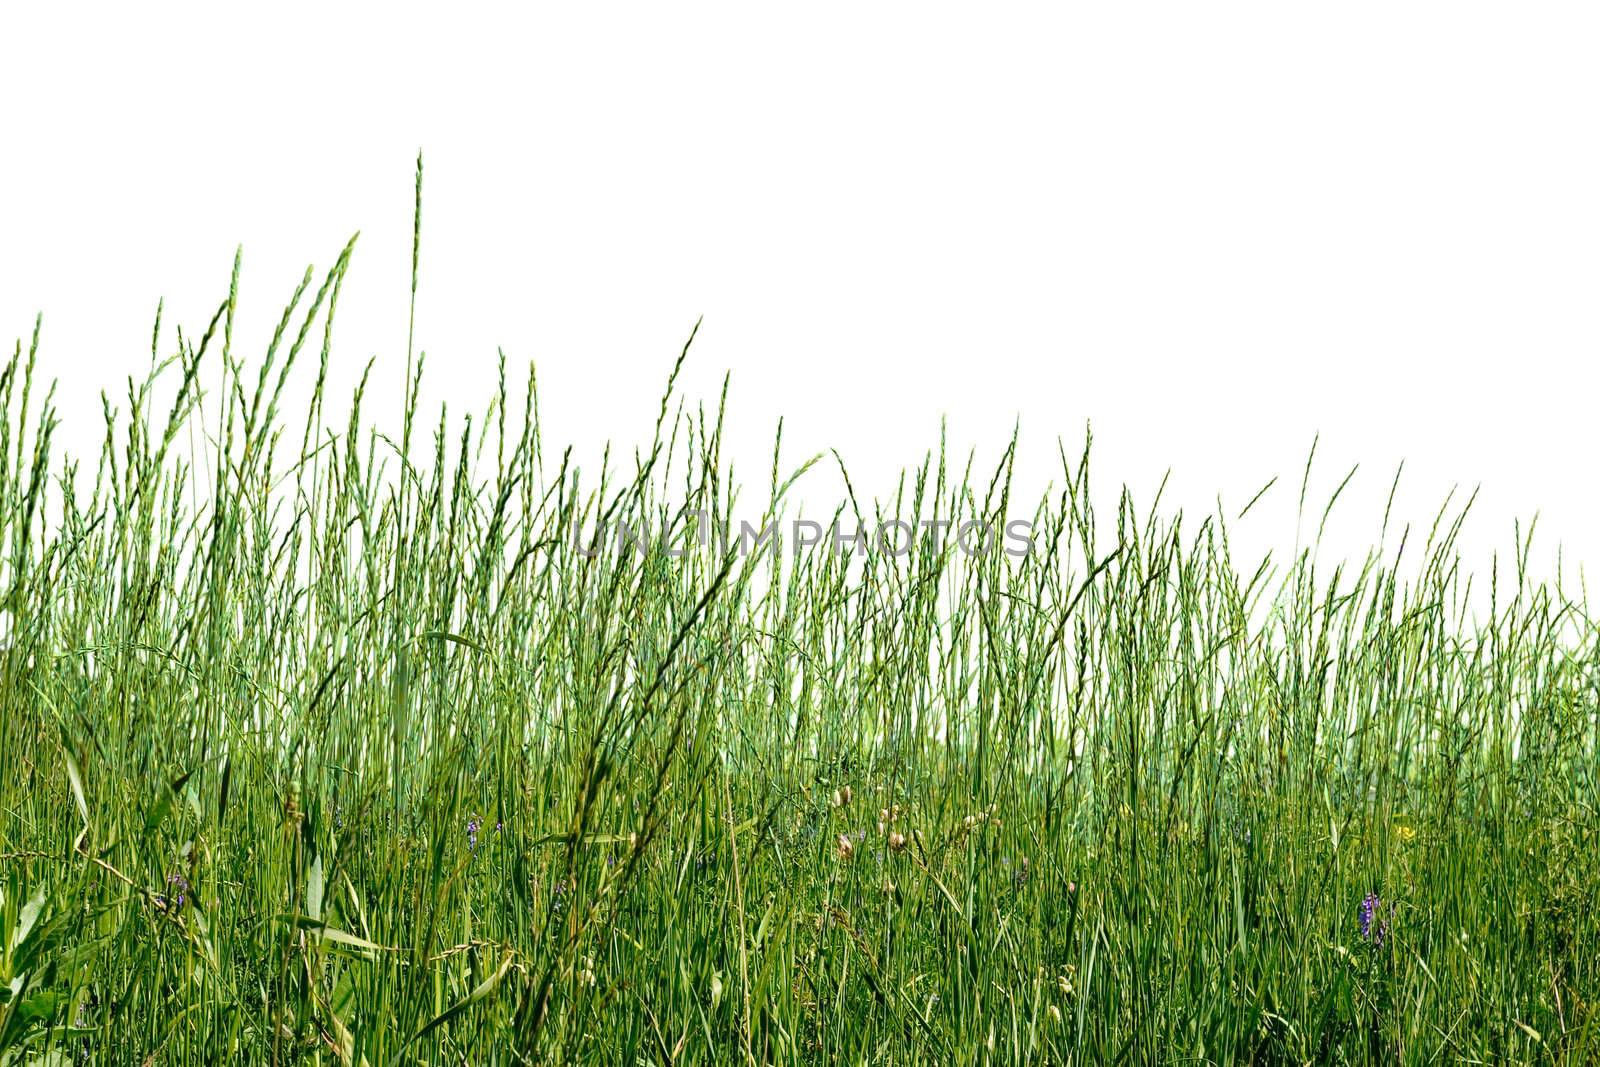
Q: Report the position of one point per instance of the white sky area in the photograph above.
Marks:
(1214, 231)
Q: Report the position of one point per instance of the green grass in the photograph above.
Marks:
(1138, 791)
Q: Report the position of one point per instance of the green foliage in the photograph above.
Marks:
(318, 753)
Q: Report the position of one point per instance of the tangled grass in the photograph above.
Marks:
(318, 745)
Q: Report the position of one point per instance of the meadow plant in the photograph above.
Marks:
(321, 741)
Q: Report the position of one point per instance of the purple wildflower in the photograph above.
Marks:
(180, 887)
(1374, 927)
(473, 826)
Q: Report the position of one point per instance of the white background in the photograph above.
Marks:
(1212, 229)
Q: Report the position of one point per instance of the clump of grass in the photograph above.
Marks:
(324, 746)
